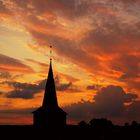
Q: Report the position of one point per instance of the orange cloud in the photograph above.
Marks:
(11, 64)
(16, 69)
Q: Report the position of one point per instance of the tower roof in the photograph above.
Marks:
(50, 99)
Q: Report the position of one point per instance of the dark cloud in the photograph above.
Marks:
(6, 60)
(25, 90)
(112, 94)
(12, 64)
(108, 103)
(91, 87)
(130, 1)
(3, 10)
(133, 110)
(79, 111)
(112, 36)
(134, 84)
(125, 63)
(64, 87)
(68, 87)
(73, 9)
(94, 87)
(24, 94)
(128, 66)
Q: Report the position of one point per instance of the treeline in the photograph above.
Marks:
(103, 122)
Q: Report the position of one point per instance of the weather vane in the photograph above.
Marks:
(50, 52)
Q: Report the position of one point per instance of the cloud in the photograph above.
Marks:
(65, 87)
(94, 87)
(5, 75)
(16, 116)
(108, 103)
(116, 45)
(99, 36)
(73, 8)
(3, 10)
(124, 64)
(102, 46)
(67, 48)
(90, 87)
(133, 110)
(38, 63)
(25, 90)
(110, 100)
(108, 31)
(129, 1)
(112, 35)
(17, 111)
(11, 64)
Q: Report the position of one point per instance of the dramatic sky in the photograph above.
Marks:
(96, 58)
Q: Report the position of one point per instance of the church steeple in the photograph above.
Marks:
(49, 114)
(50, 99)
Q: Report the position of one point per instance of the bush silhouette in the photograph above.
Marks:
(100, 123)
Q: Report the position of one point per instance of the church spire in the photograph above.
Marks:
(49, 114)
(50, 99)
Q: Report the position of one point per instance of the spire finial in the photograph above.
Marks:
(50, 53)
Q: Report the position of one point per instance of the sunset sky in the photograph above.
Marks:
(96, 58)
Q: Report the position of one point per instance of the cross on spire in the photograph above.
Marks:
(50, 53)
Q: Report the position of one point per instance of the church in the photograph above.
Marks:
(49, 114)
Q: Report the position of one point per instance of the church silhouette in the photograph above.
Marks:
(49, 114)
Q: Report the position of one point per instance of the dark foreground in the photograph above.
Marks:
(70, 133)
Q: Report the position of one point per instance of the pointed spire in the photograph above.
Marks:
(50, 74)
(50, 99)
(49, 114)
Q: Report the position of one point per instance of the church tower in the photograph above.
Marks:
(49, 114)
